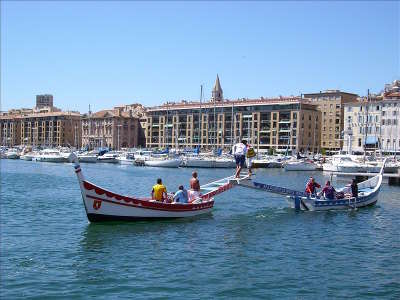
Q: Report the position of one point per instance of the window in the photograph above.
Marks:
(377, 107)
(394, 113)
(383, 121)
(337, 106)
(349, 109)
(337, 121)
(359, 142)
(394, 122)
(331, 106)
(309, 117)
(383, 113)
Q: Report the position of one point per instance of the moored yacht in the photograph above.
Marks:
(49, 155)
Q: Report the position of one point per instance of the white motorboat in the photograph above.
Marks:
(268, 162)
(349, 166)
(126, 158)
(141, 156)
(88, 157)
(300, 165)
(341, 162)
(225, 162)
(12, 154)
(198, 162)
(109, 157)
(28, 156)
(163, 162)
(208, 162)
(49, 155)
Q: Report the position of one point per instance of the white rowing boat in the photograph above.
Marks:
(368, 192)
(104, 205)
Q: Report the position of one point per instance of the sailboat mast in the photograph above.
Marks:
(200, 137)
(166, 127)
(232, 125)
(366, 124)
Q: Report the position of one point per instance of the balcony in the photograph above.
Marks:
(284, 121)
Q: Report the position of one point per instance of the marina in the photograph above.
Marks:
(196, 150)
(51, 243)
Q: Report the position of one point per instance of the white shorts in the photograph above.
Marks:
(249, 161)
(193, 195)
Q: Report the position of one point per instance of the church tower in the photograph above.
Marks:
(217, 93)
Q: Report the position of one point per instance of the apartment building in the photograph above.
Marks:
(45, 126)
(266, 123)
(372, 125)
(114, 128)
(331, 104)
(10, 130)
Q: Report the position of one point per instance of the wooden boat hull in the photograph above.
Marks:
(103, 205)
(309, 204)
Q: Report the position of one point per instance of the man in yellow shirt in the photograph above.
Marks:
(159, 191)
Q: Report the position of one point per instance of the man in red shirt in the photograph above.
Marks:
(311, 185)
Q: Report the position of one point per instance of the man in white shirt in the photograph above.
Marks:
(239, 151)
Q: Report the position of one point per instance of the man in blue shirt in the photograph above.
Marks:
(181, 196)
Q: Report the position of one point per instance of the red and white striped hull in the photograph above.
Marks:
(103, 205)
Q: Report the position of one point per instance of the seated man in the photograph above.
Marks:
(181, 196)
(328, 191)
(159, 191)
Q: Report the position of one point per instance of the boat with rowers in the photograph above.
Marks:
(104, 205)
(368, 192)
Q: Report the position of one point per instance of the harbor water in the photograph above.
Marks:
(251, 246)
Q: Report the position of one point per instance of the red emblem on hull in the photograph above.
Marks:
(96, 204)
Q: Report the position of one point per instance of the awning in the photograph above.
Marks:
(371, 140)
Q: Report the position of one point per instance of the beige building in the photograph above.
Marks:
(47, 129)
(283, 123)
(114, 128)
(331, 104)
(10, 130)
(372, 125)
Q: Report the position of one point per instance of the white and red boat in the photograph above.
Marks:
(104, 205)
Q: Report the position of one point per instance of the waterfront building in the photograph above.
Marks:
(331, 104)
(280, 123)
(10, 130)
(44, 125)
(372, 125)
(114, 128)
(46, 129)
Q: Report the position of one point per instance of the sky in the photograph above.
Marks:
(109, 53)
